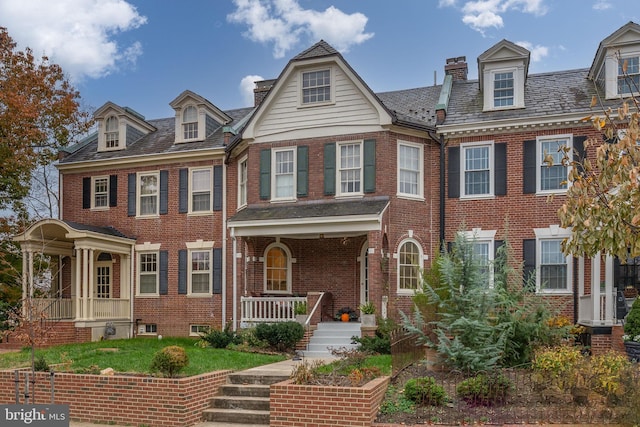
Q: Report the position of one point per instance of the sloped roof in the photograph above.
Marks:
(320, 49)
(413, 105)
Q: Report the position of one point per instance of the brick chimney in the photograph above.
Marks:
(457, 67)
(261, 90)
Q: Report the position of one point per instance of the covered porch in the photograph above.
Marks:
(77, 273)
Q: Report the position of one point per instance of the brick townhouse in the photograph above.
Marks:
(323, 192)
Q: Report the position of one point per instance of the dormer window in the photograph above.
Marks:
(190, 123)
(316, 87)
(502, 74)
(629, 81)
(503, 89)
(112, 133)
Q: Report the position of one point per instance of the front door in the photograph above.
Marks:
(103, 280)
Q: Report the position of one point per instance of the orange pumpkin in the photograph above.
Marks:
(344, 317)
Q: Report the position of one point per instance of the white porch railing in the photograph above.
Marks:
(64, 308)
(586, 312)
(268, 309)
(53, 308)
(110, 308)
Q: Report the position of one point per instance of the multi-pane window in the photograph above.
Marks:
(409, 264)
(201, 190)
(482, 256)
(409, 169)
(242, 182)
(276, 270)
(316, 86)
(553, 266)
(190, 122)
(148, 273)
(103, 281)
(629, 81)
(350, 168)
(477, 167)
(503, 89)
(284, 180)
(200, 272)
(101, 192)
(553, 174)
(112, 137)
(148, 194)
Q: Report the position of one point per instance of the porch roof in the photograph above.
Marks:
(311, 219)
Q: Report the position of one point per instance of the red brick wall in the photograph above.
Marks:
(295, 405)
(122, 399)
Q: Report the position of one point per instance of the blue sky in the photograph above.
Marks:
(144, 53)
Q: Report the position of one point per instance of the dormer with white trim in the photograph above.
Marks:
(196, 118)
(608, 68)
(119, 126)
(502, 72)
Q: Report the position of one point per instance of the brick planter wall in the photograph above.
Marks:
(315, 405)
(123, 399)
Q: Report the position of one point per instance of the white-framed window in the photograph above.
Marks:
(483, 245)
(198, 330)
(148, 329)
(552, 174)
(148, 193)
(629, 82)
(349, 168)
(100, 192)
(477, 170)
(553, 267)
(283, 167)
(243, 172)
(503, 89)
(148, 273)
(409, 258)
(201, 190)
(111, 133)
(200, 272)
(277, 269)
(190, 123)
(316, 87)
(103, 279)
(410, 169)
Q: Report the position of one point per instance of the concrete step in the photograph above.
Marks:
(245, 377)
(253, 390)
(240, 402)
(236, 416)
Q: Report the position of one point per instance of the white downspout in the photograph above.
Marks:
(234, 280)
(131, 291)
(224, 245)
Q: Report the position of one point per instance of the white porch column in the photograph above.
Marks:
(91, 286)
(85, 283)
(609, 297)
(25, 274)
(595, 287)
(580, 277)
(77, 260)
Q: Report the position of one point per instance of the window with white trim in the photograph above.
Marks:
(148, 193)
(350, 168)
(284, 166)
(552, 173)
(100, 192)
(277, 269)
(316, 87)
(409, 266)
(553, 267)
(148, 273)
(242, 181)
(103, 279)
(477, 166)
(190, 123)
(198, 330)
(200, 272)
(483, 246)
(503, 85)
(629, 81)
(410, 169)
(200, 196)
(112, 133)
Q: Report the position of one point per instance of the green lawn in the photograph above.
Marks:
(135, 355)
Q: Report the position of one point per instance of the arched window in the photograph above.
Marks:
(112, 134)
(190, 122)
(409, 266)
(277, 269)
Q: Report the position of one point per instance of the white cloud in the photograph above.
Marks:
(483, 14)
(537, 52)
(284, 23)
(247, 84)
(602, 5)
(77, 34)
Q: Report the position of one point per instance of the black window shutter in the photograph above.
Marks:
(454, 172)
(265, 174)
(302, 184)
(164, 192)
(217, 270)
(131, 194)
(164, 273)
(529, 167)
(529, 265)
(217, 188)
(113, 191)
(86, 192)
(182, 271)
(183, 190)
(369, 165)
(330, 169)
(579, 151)
(500, 153)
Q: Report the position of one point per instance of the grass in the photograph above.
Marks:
(343, 366)
(135, 355)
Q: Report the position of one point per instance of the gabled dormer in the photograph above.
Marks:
(119, 127)
(607, 70)
(502, 72)
(196, 118)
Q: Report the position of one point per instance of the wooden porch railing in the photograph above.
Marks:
(64, 308)
(268, 309)
(53, 308)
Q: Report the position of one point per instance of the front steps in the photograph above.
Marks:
(330, 335)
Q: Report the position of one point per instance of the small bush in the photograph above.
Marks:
(375, 344)
(485, 389)
(425, 391)
(395, 403)
(606, 371)
(219, 339)
(169, 361)
(281, 336)
(40, 364)
(556, 367)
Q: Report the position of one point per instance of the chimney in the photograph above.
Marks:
(261, 90)
(457, 68)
